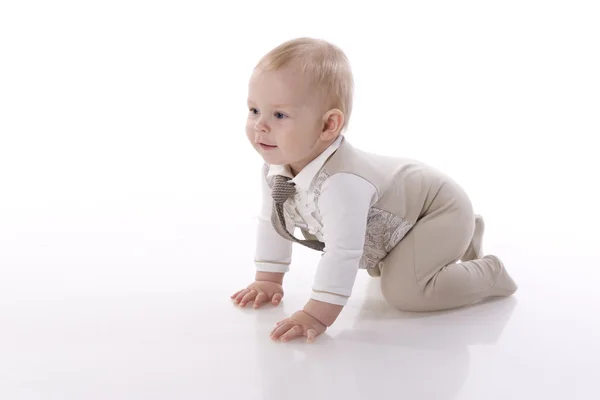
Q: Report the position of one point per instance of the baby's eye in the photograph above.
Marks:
(279, 115)
(253, 111)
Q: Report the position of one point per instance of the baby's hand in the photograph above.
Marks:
(299, 324)
(259, 292)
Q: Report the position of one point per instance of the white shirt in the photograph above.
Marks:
(340, 222)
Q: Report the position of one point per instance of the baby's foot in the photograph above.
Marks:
(474, 251)
(504, 285)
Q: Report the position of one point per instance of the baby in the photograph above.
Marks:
(399, 219)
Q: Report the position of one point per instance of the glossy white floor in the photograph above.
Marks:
(128, 192)
(133, 307)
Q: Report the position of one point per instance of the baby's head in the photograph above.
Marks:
(299, 100)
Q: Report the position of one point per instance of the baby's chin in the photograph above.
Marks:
(271, 156)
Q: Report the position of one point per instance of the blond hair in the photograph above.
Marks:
(323, 63)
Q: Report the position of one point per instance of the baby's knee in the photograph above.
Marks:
(402, 298)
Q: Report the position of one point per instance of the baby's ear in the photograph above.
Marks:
(332, 124)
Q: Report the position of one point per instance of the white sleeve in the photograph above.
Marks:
(273, 253)
(344, 207)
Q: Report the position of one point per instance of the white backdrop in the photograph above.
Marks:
(124, 120)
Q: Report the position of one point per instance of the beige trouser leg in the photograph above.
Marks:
(422, 273)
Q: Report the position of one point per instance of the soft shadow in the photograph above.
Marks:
(386, 354)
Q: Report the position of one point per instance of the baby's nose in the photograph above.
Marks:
(260, 126)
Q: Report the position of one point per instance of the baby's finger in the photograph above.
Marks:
(261, 298)
(276, 298)
(310, 335)
(277, 325)
(293, 333)
(241, 295)
(248, 297)
(236, 293)
(282, 329)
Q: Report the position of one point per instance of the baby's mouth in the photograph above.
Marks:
(266, 146)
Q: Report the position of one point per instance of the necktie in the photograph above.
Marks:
(281, 191)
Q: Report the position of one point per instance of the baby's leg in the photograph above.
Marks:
(475, 249)
(422, 274)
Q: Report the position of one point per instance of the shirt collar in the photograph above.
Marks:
(308, 173)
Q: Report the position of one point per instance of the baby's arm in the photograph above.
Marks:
(273, 256)
(273, 253)
(344, 207)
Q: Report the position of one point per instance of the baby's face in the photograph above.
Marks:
(284, 118)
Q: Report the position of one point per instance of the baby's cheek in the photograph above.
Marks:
(250, 133)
